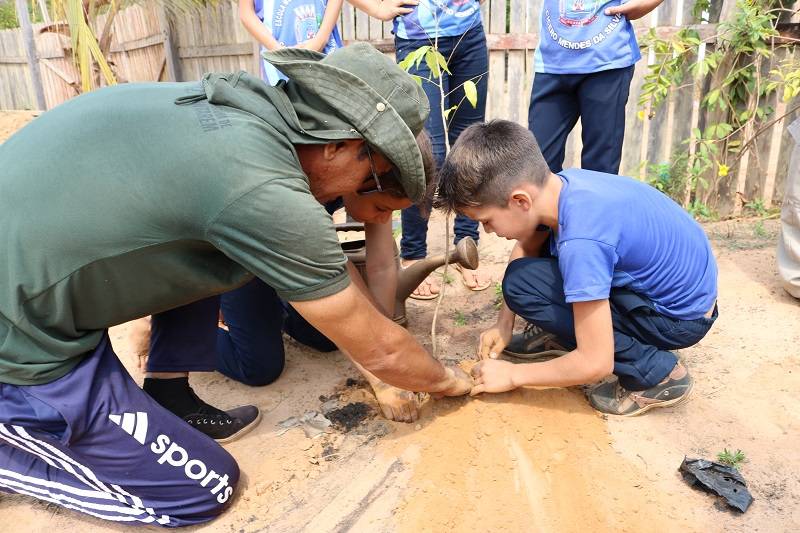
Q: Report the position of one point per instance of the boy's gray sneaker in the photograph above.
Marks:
(613, 399)
(534, 344)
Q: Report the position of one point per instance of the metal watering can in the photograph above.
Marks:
(465, 254)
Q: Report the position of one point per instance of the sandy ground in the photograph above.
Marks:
(529, 460)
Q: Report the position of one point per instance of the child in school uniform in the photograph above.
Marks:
(286, 23)
(611, 274)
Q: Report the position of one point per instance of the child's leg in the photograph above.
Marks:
(552, 114)
(94, 442)
(413, 243)
(602, 97)
(300, 330)
(468, 61)
(533, 289)
(184, 339)
(251, 351)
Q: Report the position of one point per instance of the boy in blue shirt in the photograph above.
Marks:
(609, 270)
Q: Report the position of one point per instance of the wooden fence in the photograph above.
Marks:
(149, 45)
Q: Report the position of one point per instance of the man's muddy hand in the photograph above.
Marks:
(457, 383)
(396, 404)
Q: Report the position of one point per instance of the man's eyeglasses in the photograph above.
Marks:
(377, 187)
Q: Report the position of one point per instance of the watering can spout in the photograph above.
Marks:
(408, 279)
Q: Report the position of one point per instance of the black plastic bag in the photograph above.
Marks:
(720, 479)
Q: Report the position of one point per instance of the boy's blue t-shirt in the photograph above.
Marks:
(447, 18)
(292, 22)
(577, 37)
(614, 231)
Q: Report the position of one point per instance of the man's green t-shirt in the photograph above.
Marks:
(120, 203)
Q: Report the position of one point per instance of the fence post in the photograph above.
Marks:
(171, 57)
(30, 51)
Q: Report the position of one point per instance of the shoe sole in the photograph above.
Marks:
(667, 403)
(538, 356)
(244, 431)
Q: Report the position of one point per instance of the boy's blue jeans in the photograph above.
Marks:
(468, 59)
(250, 351)
(599, 98)
(534, 289)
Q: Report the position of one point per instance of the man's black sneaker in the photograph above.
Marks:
(223, 426)
(534, 344)
(611, 398)
(177, 397)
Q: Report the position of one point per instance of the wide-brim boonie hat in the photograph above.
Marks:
(382, 102)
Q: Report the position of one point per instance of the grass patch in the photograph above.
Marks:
(498, 295)
(731, 458)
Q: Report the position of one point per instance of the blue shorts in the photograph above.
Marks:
(93, 441)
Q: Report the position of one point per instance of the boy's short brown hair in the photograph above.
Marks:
(485, 164)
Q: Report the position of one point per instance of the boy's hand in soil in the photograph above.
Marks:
(396, 404)
(494, 340)
(635, 9)
(493, 376)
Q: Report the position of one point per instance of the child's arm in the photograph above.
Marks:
(381, 266)
(591, 361)
(496, 338)
(635, 9)
(329, 19)
(384, 9)
(254, 26)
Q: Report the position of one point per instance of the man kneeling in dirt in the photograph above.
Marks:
(610, 274)
(136, 199)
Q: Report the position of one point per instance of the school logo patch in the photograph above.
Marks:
(305, 22)
(577, 12)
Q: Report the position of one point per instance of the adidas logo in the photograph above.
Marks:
(134, 425)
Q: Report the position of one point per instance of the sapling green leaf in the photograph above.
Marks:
(471, 92)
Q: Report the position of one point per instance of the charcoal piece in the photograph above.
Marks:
(349, 416)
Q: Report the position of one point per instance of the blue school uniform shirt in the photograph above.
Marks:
(615, 231)
(577, 37)
(448, 18)
(292, 22)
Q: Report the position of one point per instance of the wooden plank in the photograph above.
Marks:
(515, 83)
(529, 40)
(138, 44)
(30, 52)
(669, 13)
(348, 24)
(387, 27)
(171, 57)
(497, 97)
(215, 50)
(14, 60)
(375, 28)
(362, 26)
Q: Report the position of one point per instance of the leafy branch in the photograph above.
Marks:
(737, 108)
